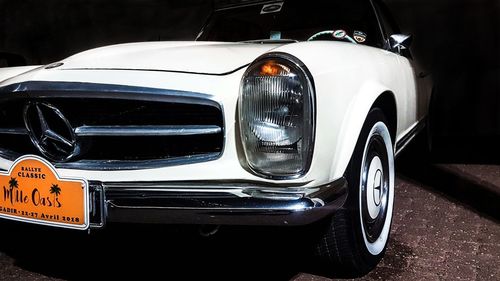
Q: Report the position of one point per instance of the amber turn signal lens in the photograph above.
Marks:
(271, 68)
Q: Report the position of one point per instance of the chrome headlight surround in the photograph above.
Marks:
(277, 112)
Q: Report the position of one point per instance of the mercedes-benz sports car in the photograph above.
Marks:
(280, 113)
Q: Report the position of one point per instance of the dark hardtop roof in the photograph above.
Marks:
(225, 4)
(228, 4)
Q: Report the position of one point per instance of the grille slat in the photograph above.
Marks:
(124, 132)
(171, 130)
(13, 131)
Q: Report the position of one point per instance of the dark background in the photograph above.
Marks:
(458, 41)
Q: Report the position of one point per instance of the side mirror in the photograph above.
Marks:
(400, 41)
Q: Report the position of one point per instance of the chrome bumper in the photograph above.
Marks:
(217, 203)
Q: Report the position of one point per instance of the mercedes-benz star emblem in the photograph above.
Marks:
(377, 188)
(50, 131)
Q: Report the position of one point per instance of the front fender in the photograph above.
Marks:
(348, 80)
(352, 123)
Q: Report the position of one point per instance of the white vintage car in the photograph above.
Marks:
(281, 113)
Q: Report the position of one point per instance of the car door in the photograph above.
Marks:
(419, 104)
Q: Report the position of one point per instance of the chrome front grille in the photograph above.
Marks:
(111, 127)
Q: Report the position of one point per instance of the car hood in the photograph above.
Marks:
(191, 57)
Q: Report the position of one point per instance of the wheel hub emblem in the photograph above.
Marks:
(374, 194)
(377, 188)
(50, 131)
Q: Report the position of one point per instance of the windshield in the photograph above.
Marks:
(343, 20)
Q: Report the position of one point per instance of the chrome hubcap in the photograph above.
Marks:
(375, 189)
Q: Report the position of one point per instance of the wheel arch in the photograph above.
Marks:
(371, 95)
(387, 103)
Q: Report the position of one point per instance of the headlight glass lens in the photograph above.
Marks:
(276, 118)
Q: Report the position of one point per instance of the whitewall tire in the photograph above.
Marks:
(376, 196)
(355, 237)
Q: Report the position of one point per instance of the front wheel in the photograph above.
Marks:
(355, 238)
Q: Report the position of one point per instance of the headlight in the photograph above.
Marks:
(276, 114)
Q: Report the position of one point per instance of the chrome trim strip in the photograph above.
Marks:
(13, 131)
(121, 165)
(236, 188)
(115, 165)
(379, 22)
(232, 204)
(43, 89)
(97, 208)
(206, 185)
(160, 70)
(180, 130)
(406, 139)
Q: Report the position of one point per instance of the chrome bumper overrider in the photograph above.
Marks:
(215, 203)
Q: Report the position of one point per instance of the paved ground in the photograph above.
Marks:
(446, 227)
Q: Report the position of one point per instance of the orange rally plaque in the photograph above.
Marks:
(33, 192)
